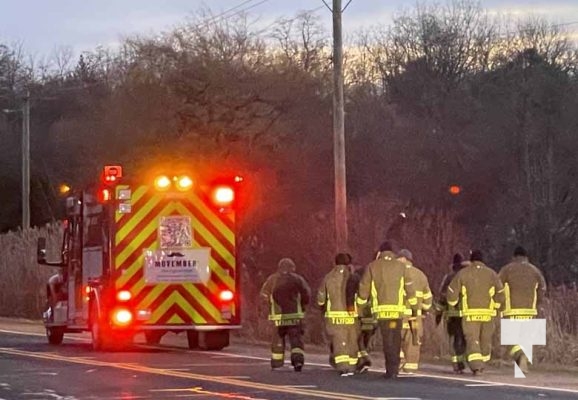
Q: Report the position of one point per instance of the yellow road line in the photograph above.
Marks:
(186, 375)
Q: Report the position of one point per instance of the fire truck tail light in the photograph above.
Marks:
(121, 317)
(223, 195)
(162, 182)
(184, 183)
(123, 295)
(104, 195)
(226, 295)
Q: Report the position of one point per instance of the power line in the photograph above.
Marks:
(225, 17)
(347, 5)
(209, 20)
(311, 10)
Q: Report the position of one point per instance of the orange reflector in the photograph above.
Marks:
(123, 295)
(455, 189)
(223, 195)
(162, 182)
(122, 317)
(87, 289)
(226, 295)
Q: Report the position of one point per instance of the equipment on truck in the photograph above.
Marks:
(151, 256)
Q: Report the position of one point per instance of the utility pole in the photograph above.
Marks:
(339, 131)
(26, 162)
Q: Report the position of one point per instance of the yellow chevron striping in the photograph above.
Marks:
(175, 319)
(208, 306)
(209, 238)
(132, 269)
(221, 272)
(143, 234)
(213, 219)
(137, 217)
(152, 295)
(175, 298)
(195, 293)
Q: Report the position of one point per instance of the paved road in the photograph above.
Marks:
(32, 369)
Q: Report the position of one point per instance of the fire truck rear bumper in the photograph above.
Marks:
(188, 327)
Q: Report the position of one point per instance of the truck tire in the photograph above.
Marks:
(193, 339)
(214, 340)
(55, 335)
(153, 338)
(100, 340)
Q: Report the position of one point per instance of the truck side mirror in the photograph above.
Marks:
(41, 251)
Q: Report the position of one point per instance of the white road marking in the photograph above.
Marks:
(300, 386)
(235, 376)
(398, 398)
(483, 384)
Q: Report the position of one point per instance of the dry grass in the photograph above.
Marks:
(23, 281)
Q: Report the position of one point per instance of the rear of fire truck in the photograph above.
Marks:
(157, 255)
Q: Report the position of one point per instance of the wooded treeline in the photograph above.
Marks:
(445, 95)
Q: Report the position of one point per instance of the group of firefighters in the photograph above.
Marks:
(393, 295)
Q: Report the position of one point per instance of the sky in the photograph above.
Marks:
(42, 26)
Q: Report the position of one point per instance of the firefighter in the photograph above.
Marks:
(412, 328)
(452, 317)
(524, 289)
(340, 318)
(366, 324)
(287, 294)
(387, 281)
(480, 293)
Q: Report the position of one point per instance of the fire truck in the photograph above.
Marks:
(146, 256)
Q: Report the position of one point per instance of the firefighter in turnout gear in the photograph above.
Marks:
(480, 293)
(524, 289)
(366, 323)
(387, 282)
(340, 319)
(287, 294)
(412, 328)
(452, 317)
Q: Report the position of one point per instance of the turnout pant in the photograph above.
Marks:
(295, 335)
(391, 333)
(411, 338)
(516, 351)
(478, 342)
(457, 342)
(343, 346)
(365, 332)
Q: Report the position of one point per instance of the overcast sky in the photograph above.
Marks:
(43, 25)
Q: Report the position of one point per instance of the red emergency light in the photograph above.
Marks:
(112, 173)
(223, 196)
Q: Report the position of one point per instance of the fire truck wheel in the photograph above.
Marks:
(55, 335)
(215, 340)
(153, 337)
(193, 339)
(96, 334)
(99, 338)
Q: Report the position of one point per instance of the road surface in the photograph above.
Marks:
(32, 369)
